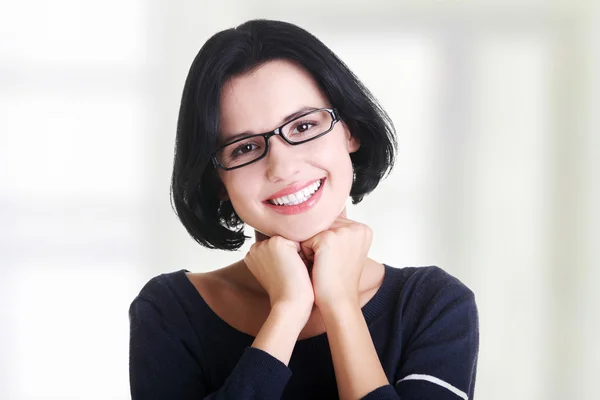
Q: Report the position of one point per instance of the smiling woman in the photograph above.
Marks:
(276, 132)
(257, 101)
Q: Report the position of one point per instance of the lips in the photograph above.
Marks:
(291, 189)
(291, 206)
(296, 198)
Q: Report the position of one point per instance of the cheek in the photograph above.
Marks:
(335, 154)
(236, 190)
(240, 189)
(330, 149)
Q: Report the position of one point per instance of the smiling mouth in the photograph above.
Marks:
(299, 197)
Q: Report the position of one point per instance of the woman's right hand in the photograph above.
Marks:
(278, 267)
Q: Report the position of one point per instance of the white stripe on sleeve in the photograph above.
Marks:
(437, 381)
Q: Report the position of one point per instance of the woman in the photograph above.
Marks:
(275, 132)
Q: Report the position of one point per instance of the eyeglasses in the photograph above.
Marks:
(249, 149)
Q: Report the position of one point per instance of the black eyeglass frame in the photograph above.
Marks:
(267, 135)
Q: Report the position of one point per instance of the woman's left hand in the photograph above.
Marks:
(338, 255)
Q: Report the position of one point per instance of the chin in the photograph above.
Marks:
(302, 233)
(304, 226)
(298, 236)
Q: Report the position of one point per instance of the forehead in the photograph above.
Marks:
(258, 101)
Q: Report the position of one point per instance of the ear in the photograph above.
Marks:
(352, 142)
(222, 193)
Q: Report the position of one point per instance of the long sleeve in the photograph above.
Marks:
(441, 355)
(422, 321)
(439, 359)
(162, 367)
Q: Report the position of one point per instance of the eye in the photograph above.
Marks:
(302, 127)
(244, 149)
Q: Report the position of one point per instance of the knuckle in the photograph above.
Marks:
(253, 248)
(328, 235)
(275, 242)
(345, 230)
(277, 239)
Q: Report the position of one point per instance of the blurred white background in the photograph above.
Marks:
(496, 107)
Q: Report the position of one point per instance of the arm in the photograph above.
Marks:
(356, 364)
(440, 354)
(280, 331)
(339, 255)
(439, 361)
(161, 367)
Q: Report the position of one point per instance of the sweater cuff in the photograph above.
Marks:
(386, 392)
(264, 373)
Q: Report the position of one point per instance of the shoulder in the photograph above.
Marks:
(179, 295)
(437, 333)
(162, 286)
(424, 294)
(166, 297)
(427, 325)
(424, 282)
(179, 285)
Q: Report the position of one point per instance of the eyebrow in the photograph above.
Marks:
(285, 120)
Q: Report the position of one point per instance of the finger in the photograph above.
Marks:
(308, 253)
(308, 248)
(298, 247)
(302, 251)
(306, 261)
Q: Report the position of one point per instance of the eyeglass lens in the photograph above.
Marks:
(252, 148)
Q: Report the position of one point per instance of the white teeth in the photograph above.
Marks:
(299, 197)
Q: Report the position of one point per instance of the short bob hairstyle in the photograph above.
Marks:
(196, 190)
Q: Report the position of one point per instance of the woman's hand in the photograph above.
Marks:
(278, 267)
(338, 255)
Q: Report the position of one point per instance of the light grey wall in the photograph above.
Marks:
(496, 181)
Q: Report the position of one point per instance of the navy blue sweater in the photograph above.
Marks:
(423, 323)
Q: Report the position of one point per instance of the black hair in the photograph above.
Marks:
(195, 185)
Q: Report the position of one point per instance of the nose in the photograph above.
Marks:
(283, 162)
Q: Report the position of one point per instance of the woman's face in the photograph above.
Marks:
(259, 102)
